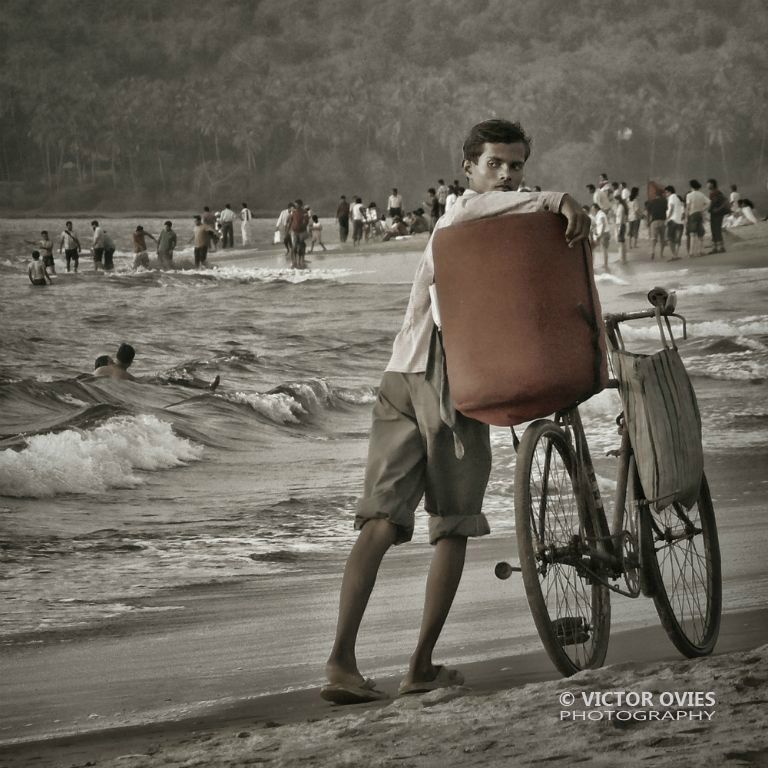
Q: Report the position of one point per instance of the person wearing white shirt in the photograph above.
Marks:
(733, 199)
(97, 245)
(227, 220)
(450, 198)
(601, 235)
(245, 223)
(634, 216)
(412, 449)
(395, 204)
(358, 220)
(675, 215)
(696, 204)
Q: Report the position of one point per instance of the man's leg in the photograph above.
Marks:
(375, 538)
(442, 583)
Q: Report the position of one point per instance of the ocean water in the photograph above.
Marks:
(114, 491)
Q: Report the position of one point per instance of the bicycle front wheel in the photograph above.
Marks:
(555, 534)
(681, 555)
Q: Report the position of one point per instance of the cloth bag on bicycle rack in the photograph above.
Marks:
(521, 322)
(662, 416)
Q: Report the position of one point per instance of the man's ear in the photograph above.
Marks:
(467, 166)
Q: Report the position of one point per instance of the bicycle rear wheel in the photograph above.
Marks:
(681, 556)
(571, 610)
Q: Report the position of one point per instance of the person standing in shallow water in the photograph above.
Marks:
(200, 239)
(245, 224)
(166, 244)
(70, 243)
(38, 274)
(411, 450)
(45, 245)
(342, 216)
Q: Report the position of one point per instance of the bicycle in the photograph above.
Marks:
(571, 559)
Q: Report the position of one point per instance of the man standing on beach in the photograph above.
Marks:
(395, 204)
(342, 216)
(245, 224)
(657, 219)
(200, 237)
(411, 449)
(281, 226)
(358, 220)
(209, 219)
(227, 219)
(442, 193)
(298, 226)
(71, 245)
(718, 210)
(696, 202)
(675, 214)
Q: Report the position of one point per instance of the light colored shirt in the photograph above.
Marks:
(411, 345)
(602, 198)
(675, 209)
(245, 214)
(358, 212)
(69, 241)
(98, 237)
(634, 210)
(696, 202)
(394, 201)
(600, 224)
(227, 215)
(282, 221)
(450, 199)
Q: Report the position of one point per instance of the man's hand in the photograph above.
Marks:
(579, 222)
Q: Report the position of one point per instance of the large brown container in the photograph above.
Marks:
(522, 326)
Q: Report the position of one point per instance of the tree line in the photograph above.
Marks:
(167, 103)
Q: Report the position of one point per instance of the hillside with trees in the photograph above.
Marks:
(162, 104)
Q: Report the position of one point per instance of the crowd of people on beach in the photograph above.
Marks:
(615, 210)
(617, 214)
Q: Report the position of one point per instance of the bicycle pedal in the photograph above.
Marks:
(571, 630)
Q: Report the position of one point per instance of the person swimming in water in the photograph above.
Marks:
(101, 361)
(118, 369)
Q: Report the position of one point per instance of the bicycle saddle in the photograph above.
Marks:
(663, 299)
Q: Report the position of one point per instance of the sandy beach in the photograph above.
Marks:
(181, 682)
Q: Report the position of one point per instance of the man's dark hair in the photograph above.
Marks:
(125, 354)
(713, 182)
(440, 181)
(591, 187)
(35, 254)
(94, 223)
(669, 188)
(694, 184)
(198, 219)
(67, 222)
(168, 223)
(431, 190)
(494, 132)
(245, 205)
(101, 361)
(206, 208)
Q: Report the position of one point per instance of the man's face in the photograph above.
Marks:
(499, 167)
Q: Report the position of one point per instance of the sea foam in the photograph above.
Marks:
(91, 461)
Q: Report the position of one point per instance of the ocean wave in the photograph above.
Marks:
(279, 407)
(604, 277)
(733, 366)
(754, 325)
(706, 288)
(91, 461)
